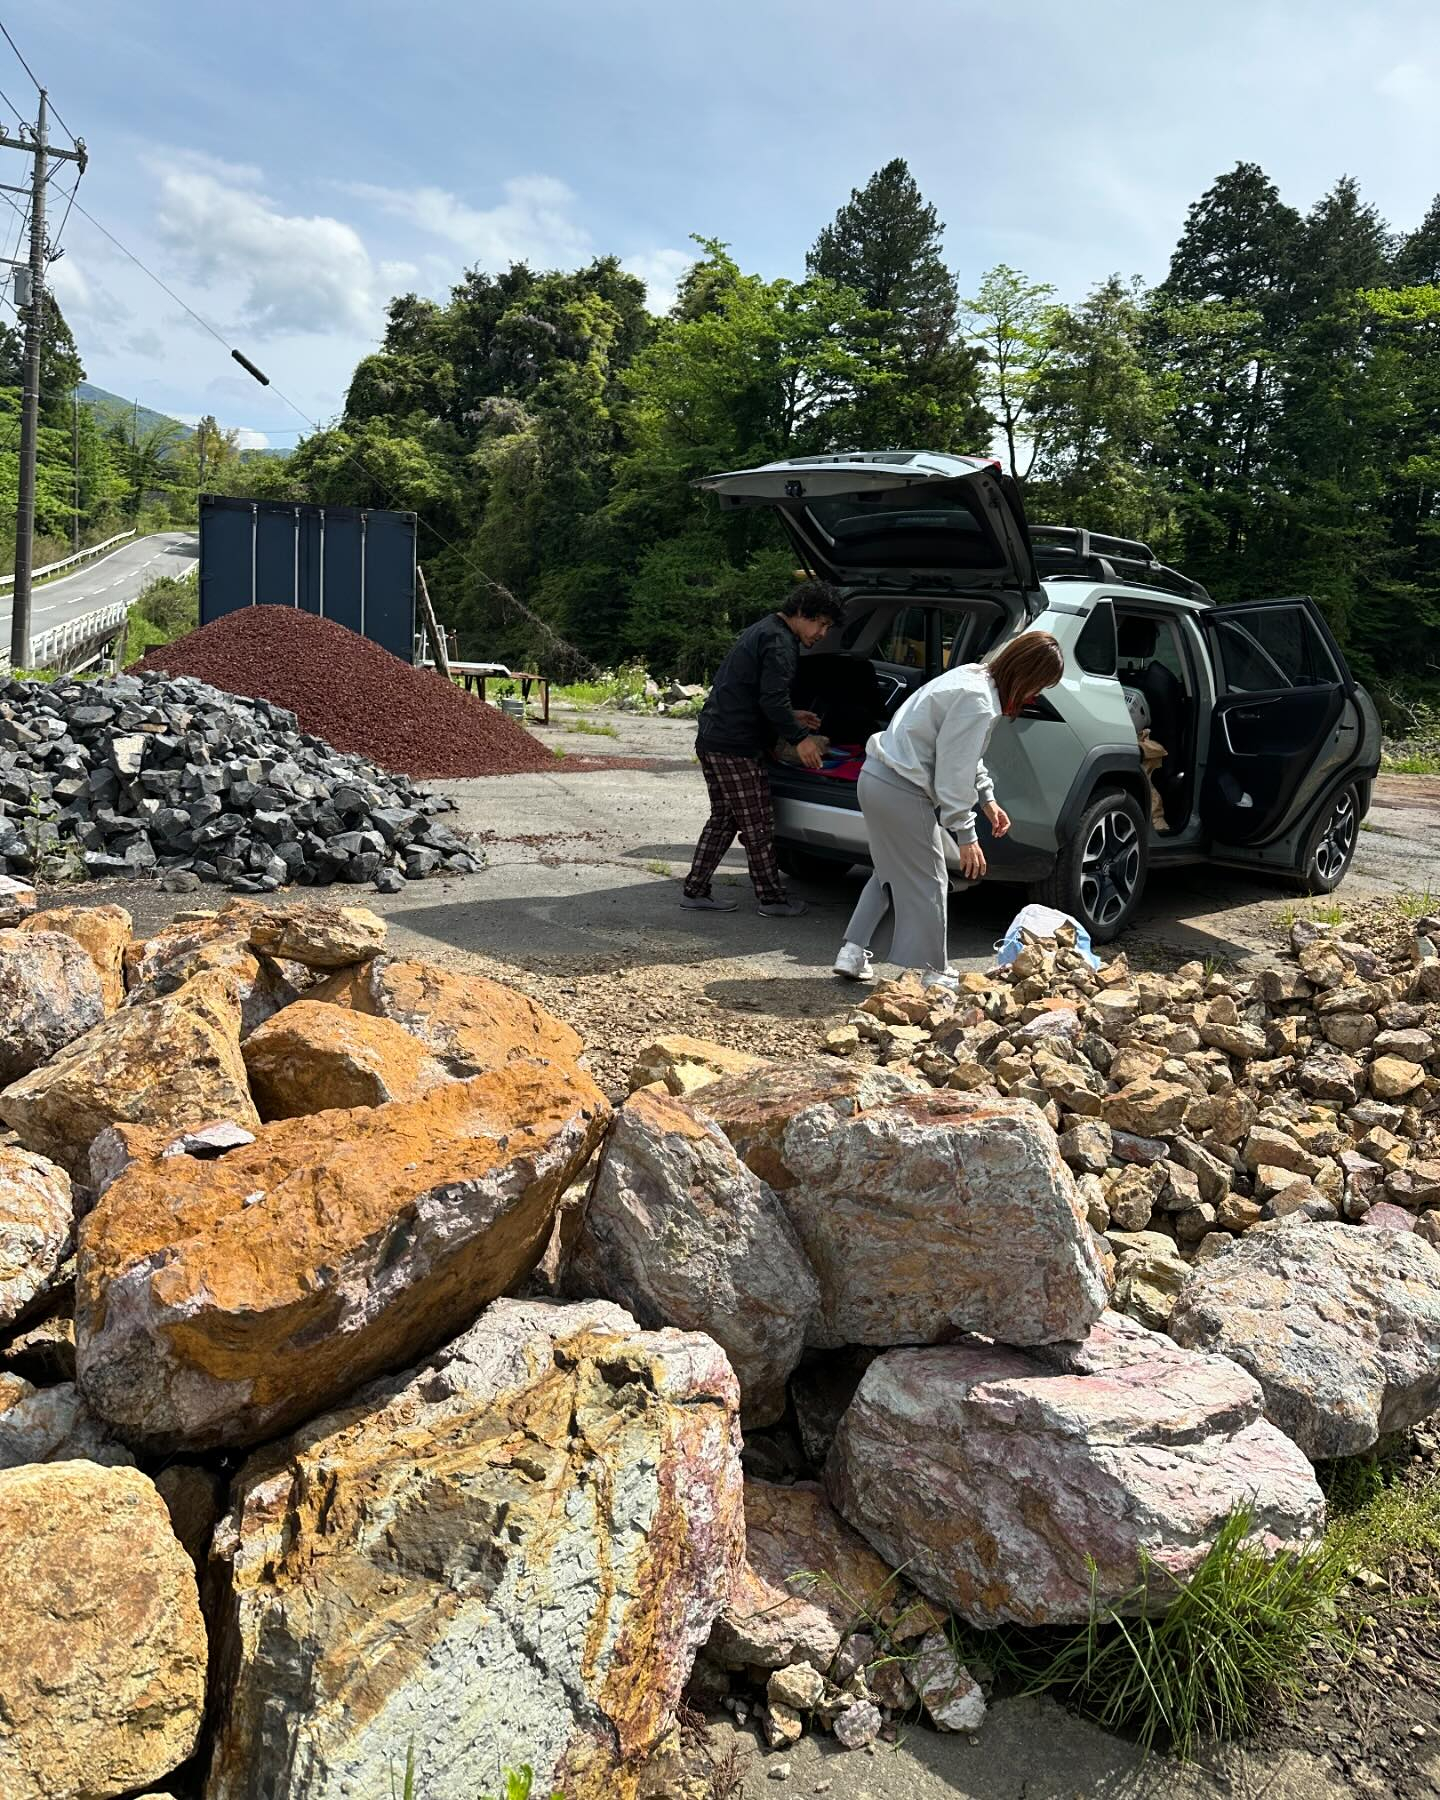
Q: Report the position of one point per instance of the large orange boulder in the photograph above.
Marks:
(172, 1061)
(207, 943)
(312, 1057)
(221, 1302)
(469, 1023)
(102, 932)
(103, 1655)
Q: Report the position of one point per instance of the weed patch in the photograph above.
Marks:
(1179, 1662)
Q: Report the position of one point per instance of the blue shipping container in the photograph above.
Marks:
(348, 563)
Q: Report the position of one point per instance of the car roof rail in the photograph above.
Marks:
(1069, 552)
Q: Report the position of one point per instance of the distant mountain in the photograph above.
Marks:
(108, 407)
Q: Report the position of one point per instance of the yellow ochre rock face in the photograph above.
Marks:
(173, 1061)
(469, 1023)
(220, 1302)
(102, 932)
(102, 1659)
(507, 1556)
(312, 1057)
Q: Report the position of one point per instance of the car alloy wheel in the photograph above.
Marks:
(1110, 867)
(1336, 843)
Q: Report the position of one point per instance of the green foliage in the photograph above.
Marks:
(1268, 418)
(170, 604)
(1016, 323)
(1236, 1635)
(519, 1783)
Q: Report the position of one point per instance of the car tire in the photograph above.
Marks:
(1330, 847)
(1100, 872)
(805, 865)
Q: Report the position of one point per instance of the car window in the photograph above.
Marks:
(901, 527)
(903, 640)
(956, 631)
(1095, 649)
(1265, 648)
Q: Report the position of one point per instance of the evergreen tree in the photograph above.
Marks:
(1417, 261)
(885, 245)
(1220, 321)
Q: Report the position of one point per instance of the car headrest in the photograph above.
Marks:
(1137, 638)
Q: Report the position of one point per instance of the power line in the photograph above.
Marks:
(204, 324)
(65, 220)
(553, 637)
(38, 89)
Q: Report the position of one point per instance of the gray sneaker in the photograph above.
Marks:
(708, 903)
(782, 909)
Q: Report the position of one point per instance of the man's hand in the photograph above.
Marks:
(972, 862)
(810, 753)
(999, 819)
(811, 721)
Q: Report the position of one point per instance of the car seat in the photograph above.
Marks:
(846, 693)
(1169, 707)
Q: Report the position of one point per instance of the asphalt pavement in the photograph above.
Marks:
(118, 576)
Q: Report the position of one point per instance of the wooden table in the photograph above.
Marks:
(474, 677)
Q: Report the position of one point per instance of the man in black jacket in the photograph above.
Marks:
(748, 710)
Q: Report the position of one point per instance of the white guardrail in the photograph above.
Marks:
(69, 562)
(92, 631)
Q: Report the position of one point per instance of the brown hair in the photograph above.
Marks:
(1027, 664)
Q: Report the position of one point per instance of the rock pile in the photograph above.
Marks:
(144, 775)
(332, 1291)
(1207, 1117)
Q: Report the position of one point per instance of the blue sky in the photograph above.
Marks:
(287, 167)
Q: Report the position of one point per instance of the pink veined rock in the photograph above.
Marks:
(991, 1476)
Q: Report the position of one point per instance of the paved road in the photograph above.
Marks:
(119, 576)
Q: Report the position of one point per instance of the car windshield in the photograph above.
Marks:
(910, 527)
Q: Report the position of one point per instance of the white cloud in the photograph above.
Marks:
(1411, 83)
(81, 296)
(292, 273)
(534, 223)
(661, 271)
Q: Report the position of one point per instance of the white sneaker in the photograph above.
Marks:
(940, 978)
(855, 963)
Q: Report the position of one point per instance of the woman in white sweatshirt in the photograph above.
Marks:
(926, 773)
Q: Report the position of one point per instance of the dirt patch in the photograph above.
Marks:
(1374, 1710)
(353, 694)
(617, 1008)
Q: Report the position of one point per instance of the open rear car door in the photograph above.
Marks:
(1286, 706)
(896, 518)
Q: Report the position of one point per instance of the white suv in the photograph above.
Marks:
(1270, 746)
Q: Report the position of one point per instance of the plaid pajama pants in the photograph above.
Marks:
(739, 802)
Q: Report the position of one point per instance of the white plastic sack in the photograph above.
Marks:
(1041, 922)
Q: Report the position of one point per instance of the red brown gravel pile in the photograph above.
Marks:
(353, 694)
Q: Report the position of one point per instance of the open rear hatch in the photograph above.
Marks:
(897, 520)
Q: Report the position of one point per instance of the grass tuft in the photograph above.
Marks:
(589, 728)
(1415, 905)
(1235, 1636)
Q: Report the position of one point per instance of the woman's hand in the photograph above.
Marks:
(999, 819)
(810, 753)
(810, 720)
(972, 862)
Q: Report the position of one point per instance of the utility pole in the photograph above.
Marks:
(36, 143)
(75, 466)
